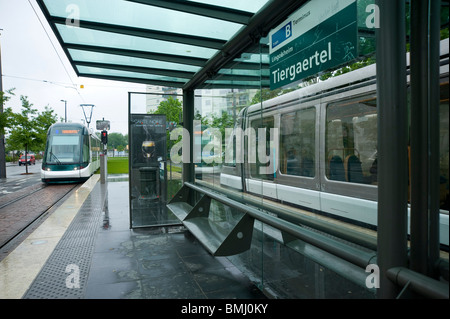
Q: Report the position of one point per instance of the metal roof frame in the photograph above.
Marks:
(254, 26)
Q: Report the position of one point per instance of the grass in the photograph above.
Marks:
(117, 165)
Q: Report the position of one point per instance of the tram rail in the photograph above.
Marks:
(22, 211)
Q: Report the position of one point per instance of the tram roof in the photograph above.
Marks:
(177, 43)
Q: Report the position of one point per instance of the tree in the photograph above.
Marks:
(117, 141)
(29, 128)
(172, 108)
(5, 115)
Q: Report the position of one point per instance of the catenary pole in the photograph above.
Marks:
(2, 136)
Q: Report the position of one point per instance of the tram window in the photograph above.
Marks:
(261, 169)
(298, 143)
(230, 150)
(86, 154)
(351, 141)
(444, 147)
(64, 149)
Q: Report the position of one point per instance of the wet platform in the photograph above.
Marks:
(82, 251)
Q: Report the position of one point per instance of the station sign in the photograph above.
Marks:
(320, 35)
(103, 125)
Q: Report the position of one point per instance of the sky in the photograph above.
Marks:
(34, 63)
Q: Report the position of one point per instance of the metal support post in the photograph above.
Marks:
(419, 135)
(188, 117)
(2, 137)
(392, 142)
(103, 166)
(424, 135)
(434, 119)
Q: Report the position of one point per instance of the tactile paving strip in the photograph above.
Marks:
(65, 274)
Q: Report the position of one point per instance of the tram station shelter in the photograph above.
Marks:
(313, 138)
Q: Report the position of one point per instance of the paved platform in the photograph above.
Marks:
(83, 251)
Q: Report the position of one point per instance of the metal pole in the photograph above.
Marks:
(65, 110)
(392, 142)
(425, 38)
(188, 118)
(420, 284)
(419, 135)
(2, 137)
(90, 117)
(434, 118)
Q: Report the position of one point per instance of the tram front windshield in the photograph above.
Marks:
(63, 149)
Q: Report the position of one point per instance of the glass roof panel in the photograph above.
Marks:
(226, 83)
(114, 40)
(253, 58)
(87, 56)
(249, 5)
(126, 74)
(262, 72)
(153, 41)
(126, 13)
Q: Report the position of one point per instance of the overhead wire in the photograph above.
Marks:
(56, 51)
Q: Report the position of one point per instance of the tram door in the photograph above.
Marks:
(147, 178)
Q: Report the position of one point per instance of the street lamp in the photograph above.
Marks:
(65, 110)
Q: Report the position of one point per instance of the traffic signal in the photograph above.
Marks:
(105, 137)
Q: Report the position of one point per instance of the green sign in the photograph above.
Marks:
(319, 36)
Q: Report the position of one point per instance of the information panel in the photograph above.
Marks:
(320, 35)
(147, 155)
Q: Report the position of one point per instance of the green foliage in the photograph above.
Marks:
(5, 116)
(27, 129)
(117, 141)
(172, 108)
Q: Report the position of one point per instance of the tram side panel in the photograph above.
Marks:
(327, 159)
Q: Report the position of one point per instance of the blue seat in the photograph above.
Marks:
(337, 172)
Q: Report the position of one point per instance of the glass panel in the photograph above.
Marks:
(87, 56)
(351, 141)
(218, 145)
(249, 6)
(288, 176)
(168, 101)
(86, 153)
(298, 147)
(137, 15)
(65, 149)
(120, 41)
(118, 73)
(444, 148)
(263, 167)
(236, 83)
(238, 72)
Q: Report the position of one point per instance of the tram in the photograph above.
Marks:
(325, 157)
(72, 153)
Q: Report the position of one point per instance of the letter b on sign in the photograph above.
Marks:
(288, 30)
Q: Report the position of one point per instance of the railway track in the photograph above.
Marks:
(21, 212)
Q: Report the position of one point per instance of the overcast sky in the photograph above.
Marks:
(35, 65)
